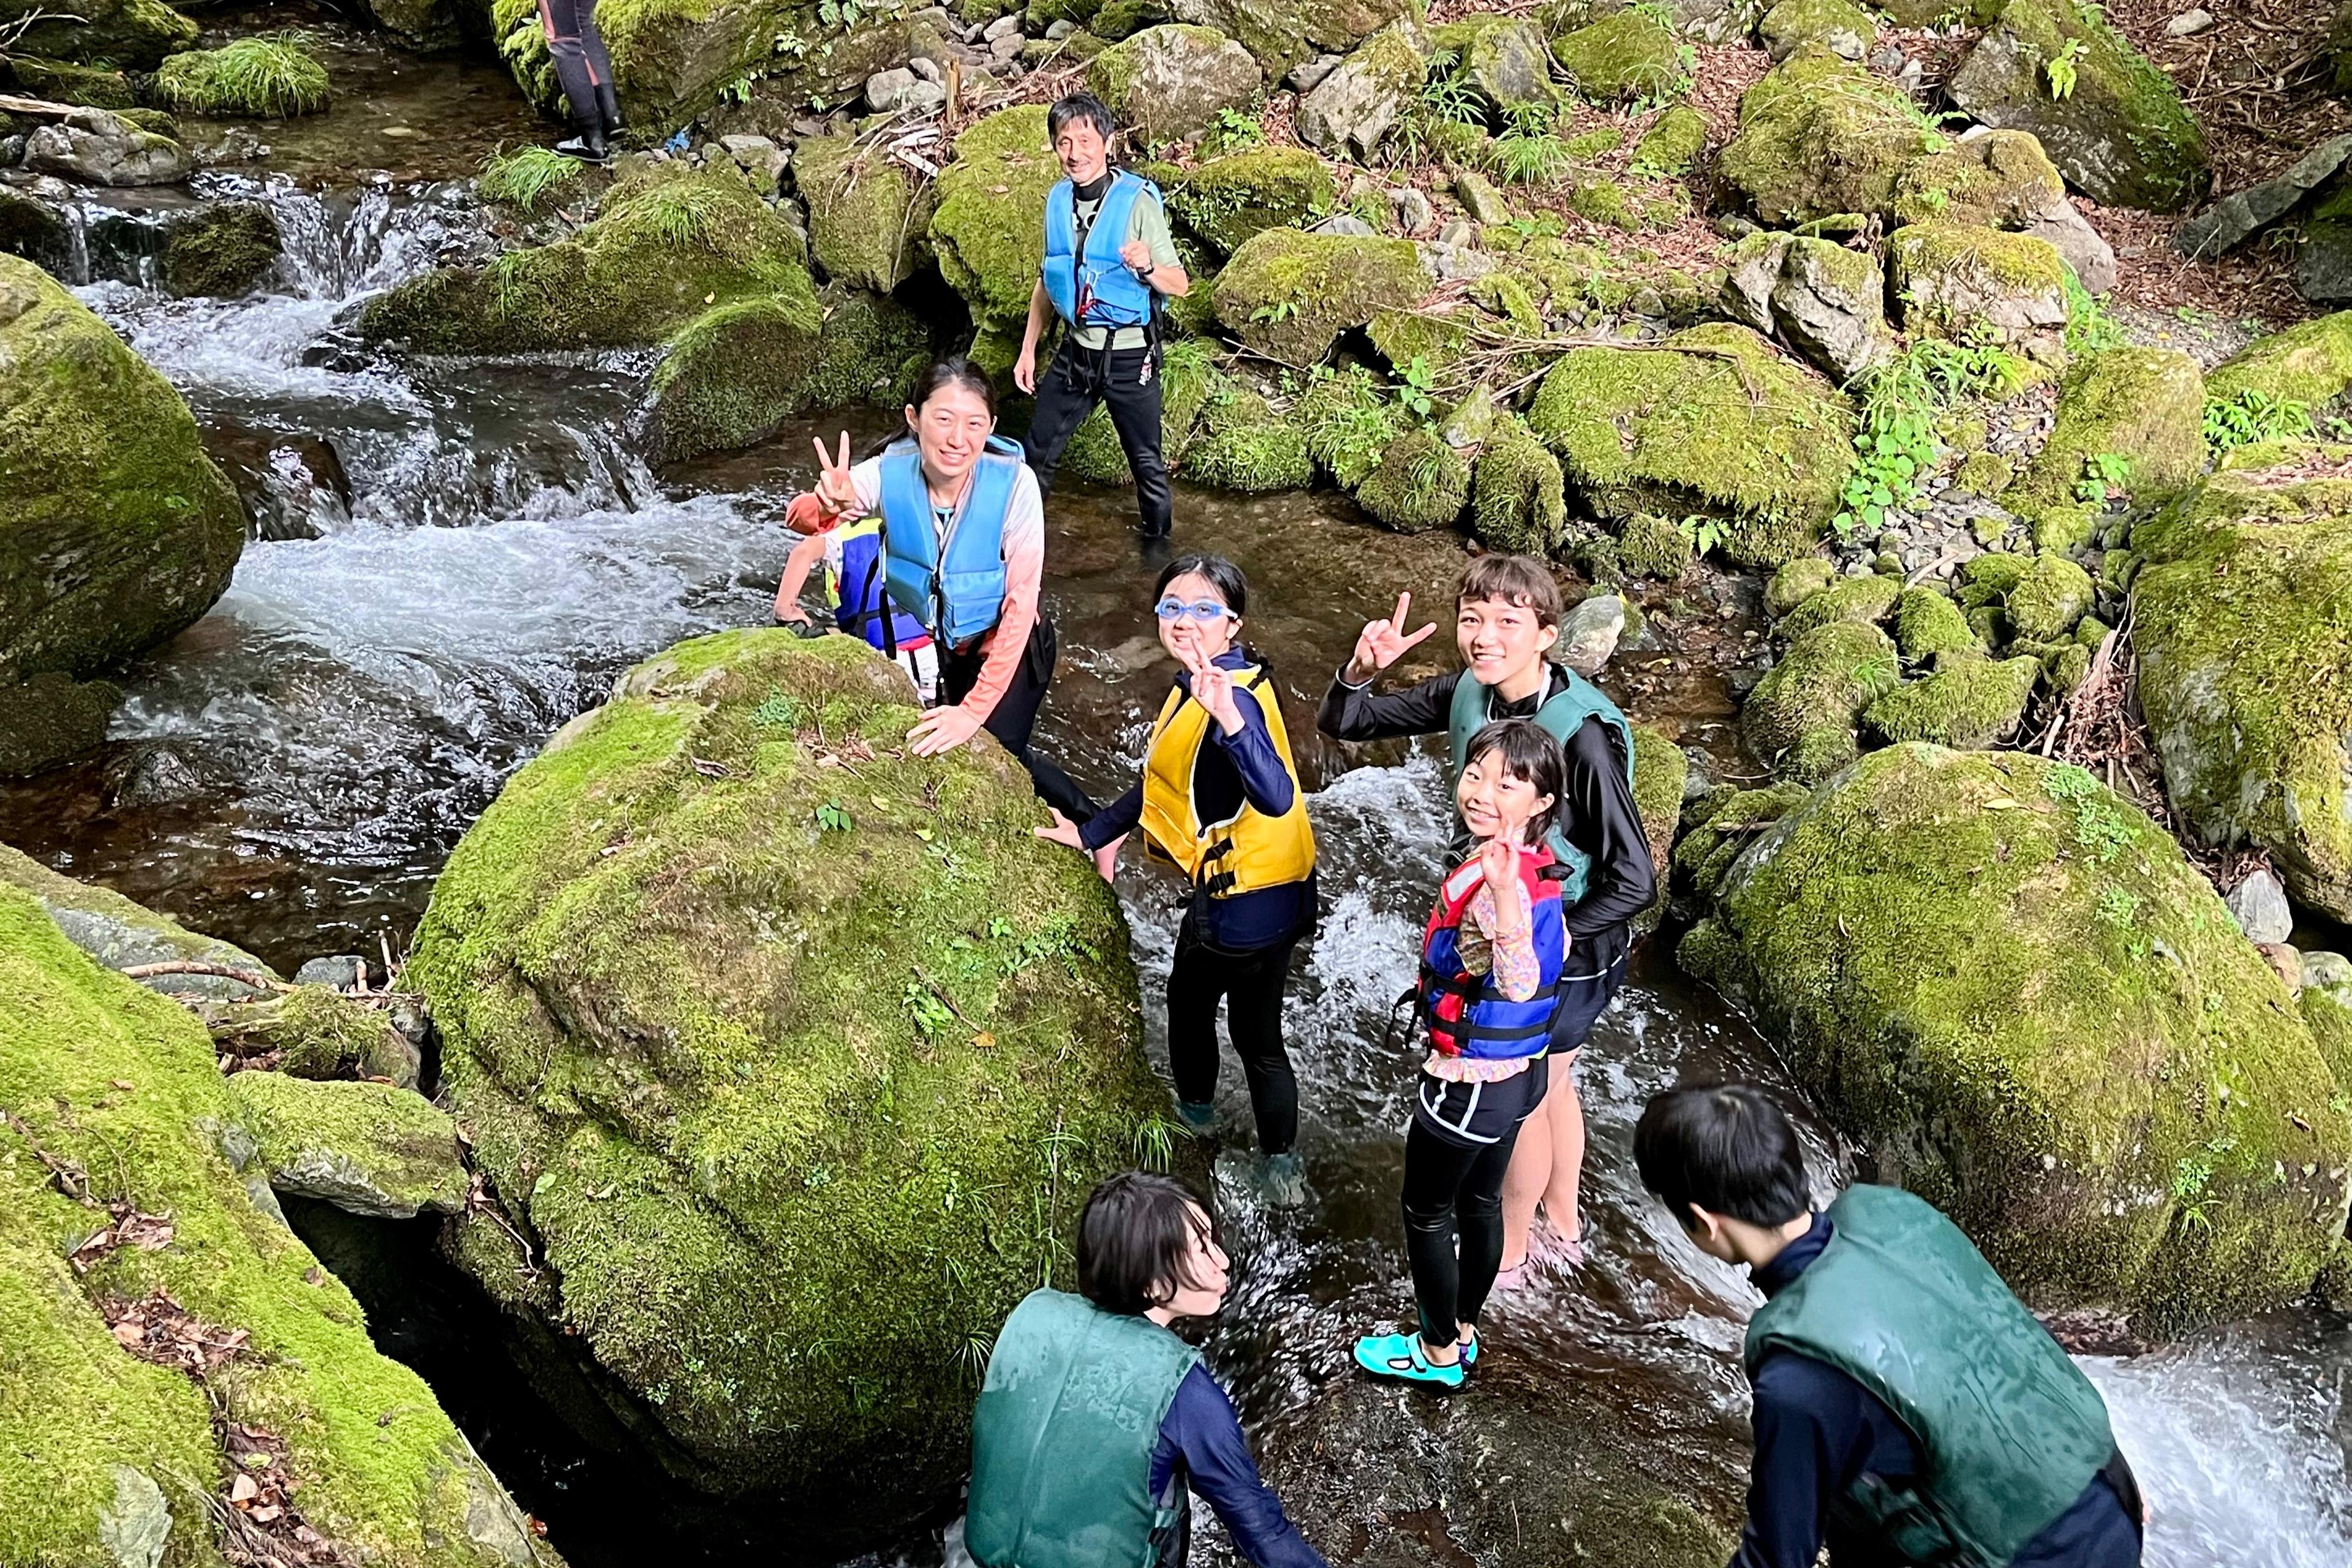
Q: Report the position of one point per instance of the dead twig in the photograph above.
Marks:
(259, 982)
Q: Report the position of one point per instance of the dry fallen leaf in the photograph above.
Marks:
(244, 1488)
(2001, 803)
(121, 1083)
(984, 1040)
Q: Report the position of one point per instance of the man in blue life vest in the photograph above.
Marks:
(1909, 1410)
(1109, 259)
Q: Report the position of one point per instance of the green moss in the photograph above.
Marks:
(62, 83)
(225, 251)
(1226, 200)
(1712, 421)
(1671, 145)
(1122, 18)
(1269, 455)
(1927, 623)
(1654, 546)
(1605, 202)
(271, 79)
(1597, 142)
(1998, 179)
(989, 231)
(1842, 25)
(870, 351)
(2145, 405)
(2242, 617)
(773, 1165)
(1170, 81)
(116, 530)
(1189, 377)
(372, 1148)
(1438, 339)
(1968, 704)
(1290, 295)
(1819, 136)
(525, 178)
(1349, 419)
(1421, 483)
(1796, 582)
(134, 35)
(1519, 505)
(1723, 830)
(728, 378)
(1800, 719)
(121, 1082)
(1985, 474)
(2015, 990)
(2049, 599)
(869, 218)
(314, 1031)
(2310, 365)
(1623, 57)
(1866, 599)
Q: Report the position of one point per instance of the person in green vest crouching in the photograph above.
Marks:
(1506, 618)
(1909, 1410)
(1096, 1421)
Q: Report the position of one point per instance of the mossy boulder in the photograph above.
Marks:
(1225, 200)
(224, 252)
(1123, 18)
(1927, 625)
(259, 79)
(1661, 772)
(1421, 483)
(1671, 145)
(121, 934)
(1960, 279)
(1966, 704)
(116, 530)
(1349, 417)
(2144, 405)
(1649, 545)
(1868, 600)
(1168, 82)
(1352, 110)
(1282, 34)
(1797, 581)
(51, 719)
(989, 228)
(2310, 364)
(1819, 136)
(1505, 59)
(870, 349)
(134, 35)
(35, 230)
(2120, 134)
(113, 1457)
(372, 1149)
(1711, 420)
(1290, 295)
(316, 1032)
(1841, 27)
(1518, 497)
(869, 217)
(796, 1054)
(60, 82)
(1799, 720)
(730, 376)
(2045, 603)
(1621, 58)
(2034, 1013)
(2243, 622)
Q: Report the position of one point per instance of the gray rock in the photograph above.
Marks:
(1348, 224)
(1060, 30)
(1510, 64)
(2237, 217)
(1005, 48)
(754, 150)
(1413, 209)
(2188, 24)
(1458, 231)
(120, 934)
(339, 972)
(105, 149)
(1453, 263)
(1351, 111)
(928, 69)
(1480, 199)
(1170, 82)
(2260, 905)
(2322, 970)
(1008, 23)
(1307, 75)
(1888, 60)
(885, 90)
(1825, 299)
(1589, 633)
(2323, 266)
(2080, 246)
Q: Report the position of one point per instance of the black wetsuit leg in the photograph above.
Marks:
(1252, 986)
(1015, 715)
(577, 49)
(1078, 380)
(1454, 1192)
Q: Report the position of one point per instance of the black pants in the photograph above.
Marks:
(1078, 380)
(1252, 986)
(1454, 1196)
(1016, 713)
(582, 65)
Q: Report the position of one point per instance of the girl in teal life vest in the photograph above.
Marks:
(963, 553)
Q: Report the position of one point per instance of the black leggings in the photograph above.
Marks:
(582, 65)
(1453, 1200)
(1078, 380)
(1015, 714)
(1252, 986)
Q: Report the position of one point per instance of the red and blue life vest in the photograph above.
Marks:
(1468, 1014)
(1087, 282)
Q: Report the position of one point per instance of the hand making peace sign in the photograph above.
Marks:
(1212, 688)
(834, 485)
(1381, 643)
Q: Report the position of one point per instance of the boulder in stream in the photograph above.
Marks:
(100, 147)
(1170, 82)
(121, 934)
(791, 1054)
(1289, 295)
(2011, 986)
(132, 34)
(371, 1149)
(989, 228)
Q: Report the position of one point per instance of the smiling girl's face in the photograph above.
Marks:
(1500, 640)
(1186, 634)
(1494, 803)
(952, 430)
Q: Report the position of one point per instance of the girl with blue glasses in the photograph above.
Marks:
(1219, 800)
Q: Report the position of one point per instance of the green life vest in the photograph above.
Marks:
(1063, 1435)
(2009, 1430)
(1563, 715)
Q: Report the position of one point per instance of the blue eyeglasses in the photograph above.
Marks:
(1172, 608)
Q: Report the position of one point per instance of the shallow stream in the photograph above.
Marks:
(459, 557)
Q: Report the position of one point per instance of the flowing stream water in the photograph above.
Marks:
(459, 557)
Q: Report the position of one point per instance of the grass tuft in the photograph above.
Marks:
(272, 77)
(525, 178)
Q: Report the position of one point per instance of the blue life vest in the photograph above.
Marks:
(1114, 295)
(1468, 1014)
(859, 601)
(954, 587)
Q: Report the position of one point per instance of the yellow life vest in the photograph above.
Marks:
(1248, 850)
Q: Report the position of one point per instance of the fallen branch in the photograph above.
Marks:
(192, 966)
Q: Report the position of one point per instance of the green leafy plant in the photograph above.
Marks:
(2099, 827)
(1538, 159)
(737, 92)
(2249, 416)
(2089, 328)
(779, 710)
(525, 178)
(1704, 533)
(1231, 132)
(1416, 388)
(2061, 70)
(1274, 312)
(1447, 96)
(832, 819)
(2105, 474)
(1898, 445)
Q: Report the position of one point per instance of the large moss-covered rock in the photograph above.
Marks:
(1959, 280)
(733, 373)
(1867, 600)
(1226, 200)
(1285, 33)
(1352, 110)
(794, 1053)
(869, 217)
(116, 530)
(121, 934)
(1627, 56)
(1168, 82)
(223, 251)
(1671, 145)
(990, 229)
(1291, 295)
(1503, 59)
(2037, 1014)
(2120, 134)
(1819, 135)
(2145, 406)
(1421, 483)
(871, 349)
(132, 34)
(2310, 364)
(1799, 720)
(1710, 421)
(1841, 27)
(372, 1149)
(2243, 628)
(114, 1458)
(1518, 496)
(51, 718)
(1966, 704)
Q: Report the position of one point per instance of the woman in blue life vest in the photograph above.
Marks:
(1096, 1423)
(963, 544)
(1490, 983)
(1220, 801)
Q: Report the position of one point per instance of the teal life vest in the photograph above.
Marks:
(1063, 1438)
(1089, 284)
(2009, 1430)
(955, 585)
(1561, 716)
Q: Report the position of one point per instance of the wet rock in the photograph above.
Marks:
(1825, 299)
(869, 216)
(2323, 266)
(369, 1148)
(339, 972)
(1885, 929)
(829, 1065)
(51, 719)
(2259, 904)
(989, 231)
(1955, 279)
(133, 35)
(100, 147)
(1170, 82)
(1839, 26)
(1623, 57)
(224, 252)
(1291, 295)
(1589, 633)
(2121, 136)
(1242, 445)
(422, 25)
(121, 934)
(1350, 113)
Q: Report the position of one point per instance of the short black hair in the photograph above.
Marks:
(1133, 1239)
(1727, 1148)
(954, 371)
(1529, 754)
(1222, 576)
(1083, 106)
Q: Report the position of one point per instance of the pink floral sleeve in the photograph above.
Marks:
(1517, 973)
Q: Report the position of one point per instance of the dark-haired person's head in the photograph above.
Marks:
(1513, 775)
(1713, 1152)
(1199, 599)
(1506, 617)
(952, 413)
(1080, 127)
(1147, 1246)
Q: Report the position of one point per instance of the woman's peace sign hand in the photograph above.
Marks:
(1381, 643)
(834, 485)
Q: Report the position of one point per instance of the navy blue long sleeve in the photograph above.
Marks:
(1202, 1434)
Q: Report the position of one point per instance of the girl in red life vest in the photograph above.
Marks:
(1489, 987)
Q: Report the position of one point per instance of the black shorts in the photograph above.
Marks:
(1480, 1115)
(1583, 997)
